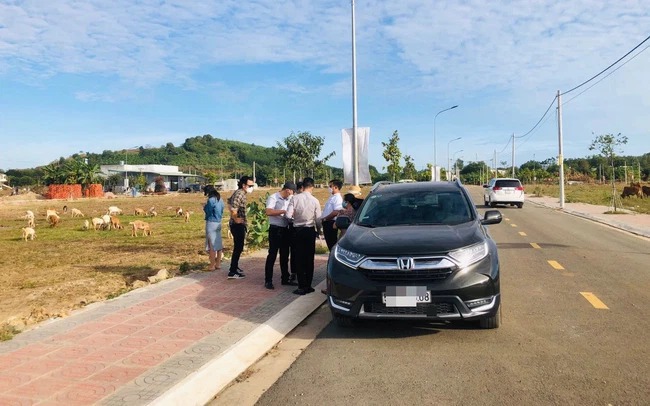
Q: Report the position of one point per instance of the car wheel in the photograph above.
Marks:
(491, 322)
(343, 321)
(520, 205)
(493, 205)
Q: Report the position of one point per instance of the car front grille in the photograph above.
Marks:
(422, 309)
(381, 275)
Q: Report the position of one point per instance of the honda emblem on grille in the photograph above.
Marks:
(405, 263)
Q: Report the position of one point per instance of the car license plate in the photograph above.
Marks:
(405, 296)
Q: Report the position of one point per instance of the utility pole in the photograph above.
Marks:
(560, 157)
(513, 155)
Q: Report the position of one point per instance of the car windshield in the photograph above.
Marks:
(388, 208)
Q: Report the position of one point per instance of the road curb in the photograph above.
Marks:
(614, 224)
(202, 385)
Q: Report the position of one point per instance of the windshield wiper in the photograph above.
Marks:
(369, 225)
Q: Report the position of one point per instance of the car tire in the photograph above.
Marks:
(520, 205)
(343, 321)
(491, 322)
(493, 205)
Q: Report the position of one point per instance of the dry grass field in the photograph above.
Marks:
(66, 267)
(591, 194)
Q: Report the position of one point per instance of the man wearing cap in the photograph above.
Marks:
(279, 238)
(305, 211)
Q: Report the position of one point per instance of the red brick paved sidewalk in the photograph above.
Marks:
(130, 350)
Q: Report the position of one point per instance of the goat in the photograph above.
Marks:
(53, 219)
(30, 222)
(65, 209)
(86, 225)
(97, 223)
(51, 212)
(179, 211)
(140, 225)
(139, 212)
(115, 223)
(76, 213)
(114, 210)
(187, 216)
(107, 221)
(29, 232)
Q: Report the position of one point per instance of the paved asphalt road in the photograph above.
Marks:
(555, 345)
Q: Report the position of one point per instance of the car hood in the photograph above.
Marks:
(411, 239)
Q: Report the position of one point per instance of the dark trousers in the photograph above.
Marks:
(279, 240)
(238, 232)
(303, 249)
(330, 233)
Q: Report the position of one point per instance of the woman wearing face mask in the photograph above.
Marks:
(350, 205)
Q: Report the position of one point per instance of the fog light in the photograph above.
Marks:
(342, 302)
(479, 302)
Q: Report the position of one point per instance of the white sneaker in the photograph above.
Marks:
(236, 275)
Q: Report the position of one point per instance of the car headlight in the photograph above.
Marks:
(347, 257)
(468, 255)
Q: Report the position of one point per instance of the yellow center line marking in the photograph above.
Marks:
(595, 302)
(555, 265)
(514, 225)
(521, 233)
(535, 245)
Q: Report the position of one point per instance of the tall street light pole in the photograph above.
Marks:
(454, 159)
(435, 157)
(355, 147)
(448, 160)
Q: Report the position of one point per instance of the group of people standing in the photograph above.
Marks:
(295, 222)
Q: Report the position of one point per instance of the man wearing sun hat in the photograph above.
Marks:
(279, 237)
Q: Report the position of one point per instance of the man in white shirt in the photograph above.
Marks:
(279, 238)
(332, 207)
(305, 211)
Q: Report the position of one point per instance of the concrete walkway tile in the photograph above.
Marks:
(69, 352)
(108, 355)
(146, 358)
(11, 379)
(16, 401)
(40, 388)
(118, 374)
(77, 370)
(155, 331)
(84, 393)
(39, 367)
(100, 339)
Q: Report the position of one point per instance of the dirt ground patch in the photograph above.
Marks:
(66, 267)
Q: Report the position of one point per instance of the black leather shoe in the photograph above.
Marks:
(269, 285)
(289, 283)
(293, 278)
(309, 290)
(300, 292)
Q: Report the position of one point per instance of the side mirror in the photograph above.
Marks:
(342, 222)
(492, 217)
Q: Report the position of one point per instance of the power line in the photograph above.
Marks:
(540, 120)
(606, 76)
(607, 68)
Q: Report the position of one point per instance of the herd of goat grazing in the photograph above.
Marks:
(108, 221)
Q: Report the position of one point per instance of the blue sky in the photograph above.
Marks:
(96, 75)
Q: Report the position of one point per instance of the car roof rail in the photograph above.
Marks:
(458, 182)
(380, 183)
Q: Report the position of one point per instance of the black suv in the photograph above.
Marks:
(416, 251)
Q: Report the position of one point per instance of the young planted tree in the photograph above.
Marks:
(409, 168)
(392, 155)
(606, 145)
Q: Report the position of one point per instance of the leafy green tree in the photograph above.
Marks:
(409, 168)
(299, 152)
(392, 155)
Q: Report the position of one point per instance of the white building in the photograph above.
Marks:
(3, 180)
(173, 178)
